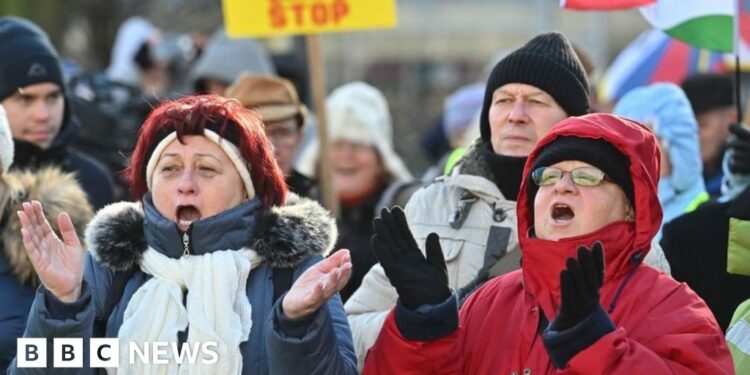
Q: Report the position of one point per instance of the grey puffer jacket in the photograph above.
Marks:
(295, 235)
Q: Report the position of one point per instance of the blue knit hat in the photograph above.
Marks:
(28, 57)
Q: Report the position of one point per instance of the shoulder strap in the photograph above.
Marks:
(282, 281)
(116, 290)
(462, 209)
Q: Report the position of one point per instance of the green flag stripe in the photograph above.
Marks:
(710, 32)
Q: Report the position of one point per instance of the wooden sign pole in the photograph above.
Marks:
(316, 71)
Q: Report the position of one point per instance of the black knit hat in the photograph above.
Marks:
(547, 62)
(597, 152)
(28, 57)
(707, 91)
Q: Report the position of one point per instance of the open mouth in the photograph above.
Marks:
(347, 171)
(186, 215)
(562, 213)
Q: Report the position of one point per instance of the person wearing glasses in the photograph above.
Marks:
(583, 301)
(473, 209)
(284, 117)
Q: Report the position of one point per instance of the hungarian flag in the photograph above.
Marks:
(743, 47)
(604, 4)
(701, 23)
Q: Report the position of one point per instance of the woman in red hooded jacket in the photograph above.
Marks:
(583, 302)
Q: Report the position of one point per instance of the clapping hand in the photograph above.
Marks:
(419, 280)
(579, 287)
(739, 162)
(317, 284)
(59, 263)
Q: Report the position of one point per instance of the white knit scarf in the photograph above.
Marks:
(217, 310)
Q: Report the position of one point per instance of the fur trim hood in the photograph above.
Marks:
(284, 236)
(57, 191)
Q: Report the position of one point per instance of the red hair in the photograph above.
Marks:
(190, 115)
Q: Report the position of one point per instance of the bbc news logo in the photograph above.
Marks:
(105, 353)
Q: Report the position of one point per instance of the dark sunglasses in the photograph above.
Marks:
(582, 176)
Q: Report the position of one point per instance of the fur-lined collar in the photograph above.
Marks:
(474, 162)
(57, 192)
(284, 235)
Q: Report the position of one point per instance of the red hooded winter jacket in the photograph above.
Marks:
(663, 327)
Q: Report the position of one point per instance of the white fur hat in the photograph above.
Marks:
(358, 112)
(6, 142)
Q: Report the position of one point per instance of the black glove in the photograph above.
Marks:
(579, 287)
(417, 280)
(739, 161)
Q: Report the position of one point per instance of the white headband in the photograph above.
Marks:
(229, 148)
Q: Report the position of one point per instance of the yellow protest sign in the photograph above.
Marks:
(284, 17)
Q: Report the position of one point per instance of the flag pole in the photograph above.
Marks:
(737, 75)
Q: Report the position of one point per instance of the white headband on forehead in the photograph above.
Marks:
(229, 148)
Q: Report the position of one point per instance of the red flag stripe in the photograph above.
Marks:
(604, 4)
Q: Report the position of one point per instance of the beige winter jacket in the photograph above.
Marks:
(486, 217)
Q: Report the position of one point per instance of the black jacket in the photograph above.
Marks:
(303, 185)
(696, 247)
(355, 230)
(93, 176)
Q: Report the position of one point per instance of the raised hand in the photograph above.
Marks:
(739, 162)
(317, 284)
(579, 287)
(59, 263)
(418, 280)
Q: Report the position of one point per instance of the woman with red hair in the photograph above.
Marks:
(201, 260)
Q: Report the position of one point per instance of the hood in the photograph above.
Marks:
(57, 191)
(224, 59)
(130, 37)
(284, 236)
(358, 112)
(6, 142)
(665, 108)
(625, 243)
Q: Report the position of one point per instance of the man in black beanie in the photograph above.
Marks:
(42, 127)
(712, 97)
(33, 94)
(473, 209)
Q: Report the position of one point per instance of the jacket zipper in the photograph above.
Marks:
(186, 241)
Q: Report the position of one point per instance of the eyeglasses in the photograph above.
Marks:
(582, 176)
(282, 132)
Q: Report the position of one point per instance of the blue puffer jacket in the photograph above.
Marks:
(667, 110)
(295, 235)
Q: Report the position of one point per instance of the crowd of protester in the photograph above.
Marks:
(175, 197)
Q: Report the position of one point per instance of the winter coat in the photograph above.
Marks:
(666, 108)
(662, 327)
(91, 174)
(472, 245)
(355, 230)
(57, 192)
(302, 185)
(737, 338)
(295, 236)
(697, 246)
